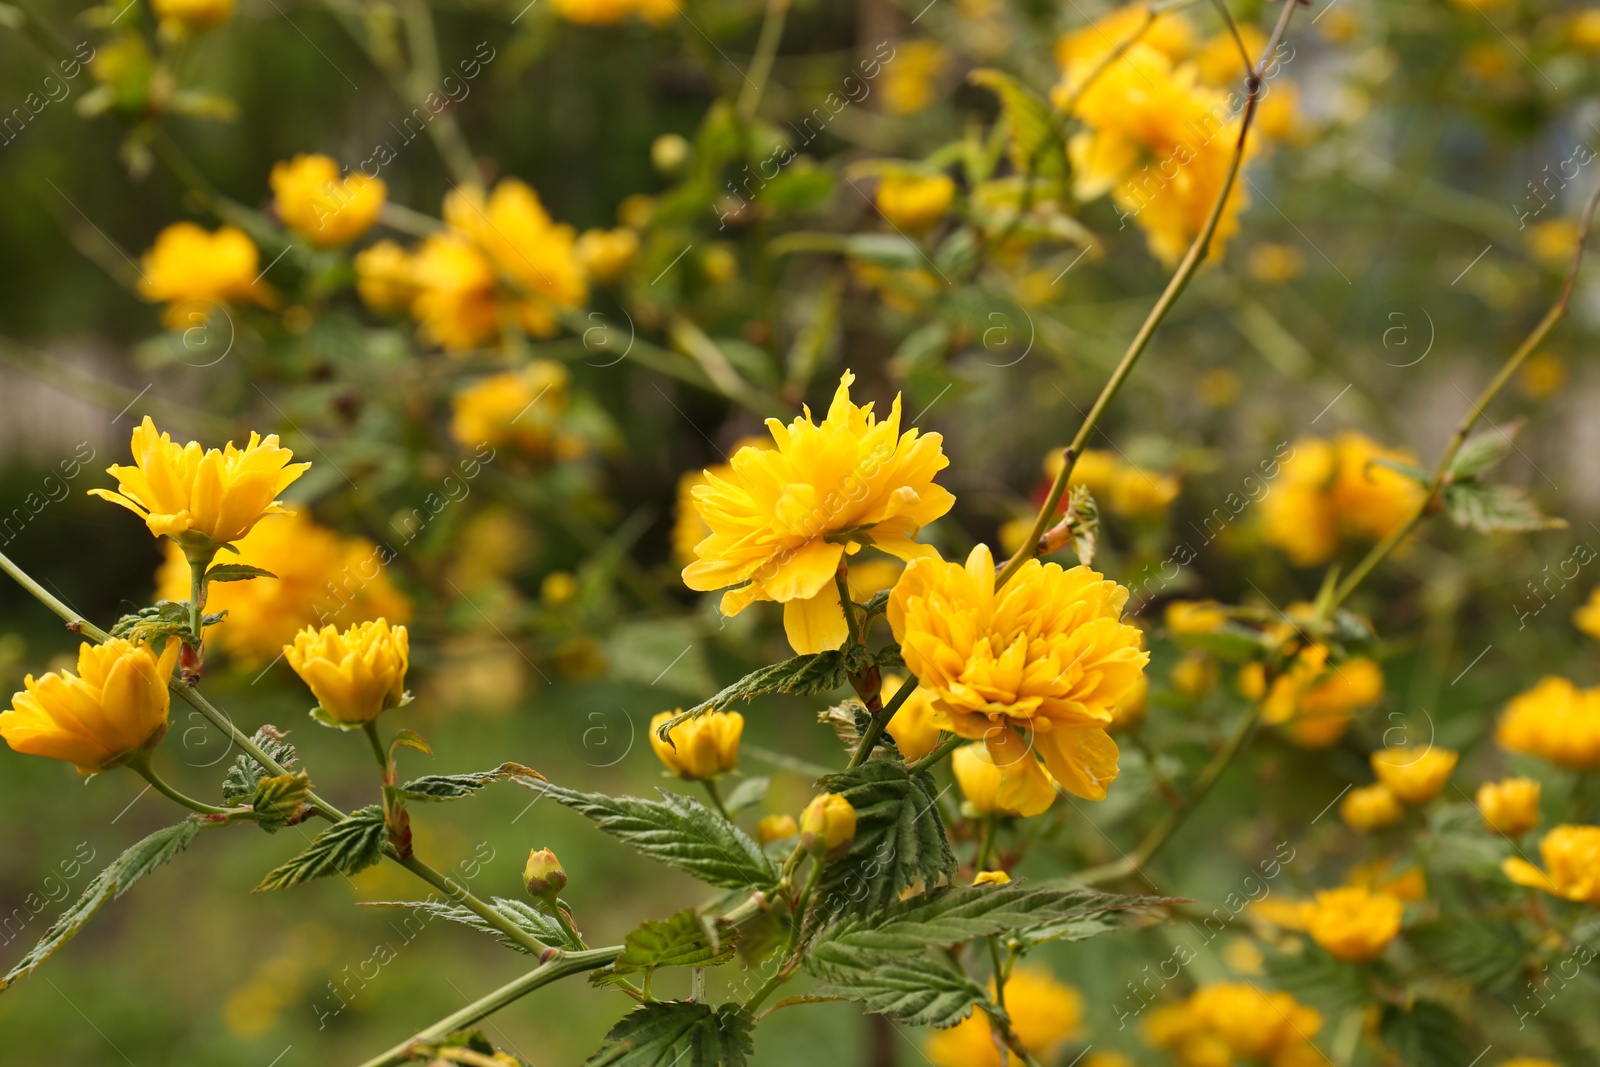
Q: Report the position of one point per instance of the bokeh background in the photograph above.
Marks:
(1394, 250)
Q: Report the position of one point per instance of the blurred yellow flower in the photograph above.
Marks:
(1352, 923)
(827, 826)
(1044, 1014)
(1225, 1021)
(1194, 674)
(313, 201)
(1571, 857)
(321, 578)
(1333, 489)
(1129, 711)
(776, 828)
(1510, 806)
(1553, 241)
(910, 77)
(524, 408)
(1219, 60)
(1138, 493)
(1315, 702)
(982, 782)
(188, 268)
(384, 277)
(532, 252)
(915, 202)
(1587, 617)
(915, 726)
(1584, 29)
(1047, 655)
(611, 12)
(991, 878)
(701, 748)
(114, 706)
(1414, 774)
(1269, 261)
(456, 302)
(1370, 807)
(607, 254)
(1080, 52)
(1541, 376)
(192, 14)
(1187, 617)
(201, 498)
(355, 675)
(1554, 720)
(772, 516)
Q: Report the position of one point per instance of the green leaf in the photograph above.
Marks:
(239, 784)
(352, 844)
(665, 1034)
(163, 619)
(1314, 976)
(889, 250)
(919, 991)
(900, 838)
(277, 800)
(1487, 955)
(236, 572)
(684, 940)
(138, 861)
(412, 740)
(1483, 450)
(1036, 144)
(456, 786)
(531, 920)
(1496, 509)
(1084, 514)
(1428, 1035)
(678, 831)
(819, 672)
(747, 794)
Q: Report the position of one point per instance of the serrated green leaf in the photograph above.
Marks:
(1427, 1035)
(138, 861)
(678, 831)
(412, 740)
(680, 941)
(236, 572)
(531, 920)
(1489, 955)
(239, 784)
(747, 794)
(1317, 978)
(919, 991)
(1036, 146)
(456, 786)
(1496, 509)
(819, 672)
(676, 1033)
(162, 620)
(277, 800)
(352, 844)
(900, 838)
(1483, 450)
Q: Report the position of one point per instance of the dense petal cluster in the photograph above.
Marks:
(1353, 923)
(190, 493)
(524, 408)
(700, 748)
(1329, 491)
(1044, 1013)
(1554, 720)
(1313, 700)
(1510, 806)
(115, 705)
(315, 202)
(1226, 1021)
(780, 517)
(1571, 857)
(1370, 807)
(1415, 774)
(1033, 668)
(194, 273)
(355, 675)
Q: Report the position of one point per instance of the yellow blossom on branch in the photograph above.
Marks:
(981, 782)
(355, 675)
(1352, 923)
(700, 748)
(1044, 1014)
(916, 724)
(190, 270)
(315, 202)
(915, 202)
(1571, 857)
(1510, 806)
(1554, 720)
(1415, 774)
(524, 408)
(1370, 807)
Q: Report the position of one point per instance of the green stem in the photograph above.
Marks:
(947, 746)
(761, 63)
(783, 971)
(841, 579)
(141, 764)
(566, 924)
(716, 797)
(378, 753)
(880, 720)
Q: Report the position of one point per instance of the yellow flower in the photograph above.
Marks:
(1584, 30)
(1046, 655)
(607, 254)
(321, 577)
(915, 726)
(1044, 1014)
(1316, 702)
(1370, 807)
(1571, 865)
(1225, 1021)
(981, 783)
(827, 826)
(1079, 53)
(992, 878)
(188, 266)
(776, 828)
(1354, 924)
(355, 675)
(1554, 720)
(1107, 1059)
(1272, 262)
(201, 497)
(611, 12)
(456, 302)
(384, 277)
(1219, 61)
(192, 14)
(524, 408)
(116, 705)
(771, 516)
(1138, 493)
(538, 255)
(1587, 617)
(910, 77)
(1186, 617)
(1510, 806)
(1541, 376)
(1194, 674)
(1333, 489)
(1415, 775)
(701, 748)
(914, 202)
(1529, 1061)
(1129, 711)
(313, 201)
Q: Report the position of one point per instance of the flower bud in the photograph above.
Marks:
(776, 828)
(544, 876)
(1511, 806)
(827, 826)
(1369, 808)
(700, 748)
(1415, 775)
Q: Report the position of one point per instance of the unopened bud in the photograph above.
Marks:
(776, 828)
(827, 826)
(544, 875)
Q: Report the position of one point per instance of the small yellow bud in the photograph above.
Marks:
(912, 202)
(1511, 806)
(776, 828)
(544, 876)
(700, 748)
(1370, 808)
(828, 826)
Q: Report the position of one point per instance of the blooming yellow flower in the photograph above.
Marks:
(1080, 52)
(1510, 806)
(1316, 702)
(456, 302)
(915, 202)
(524, 408)
(1187, 617)
(321, 578)
(827, 826)
(981, 783)
(536, 254)
(1370, 807)
(384, 277)
(1047, 655)
(1554, 720)
(910, 78)
(1226, 1021)
(188, 269)
(1415, 775)
(201, 498)
(313, 201)
(607, 254)
(1354, 924)
(1333, 489)
(776, 828)
(192, 14)
(701, 748)
(1571, 865)
(1138, 493)
(1044, 1013)
(915, 726)
(771, 518)
(115, 706)
(355, 675)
